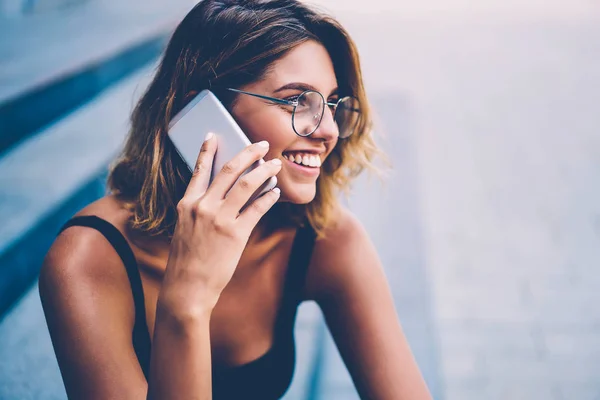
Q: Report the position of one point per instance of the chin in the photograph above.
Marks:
(298, 194)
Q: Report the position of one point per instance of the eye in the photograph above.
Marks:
(293, 98)
(301, 101)
(289, 108)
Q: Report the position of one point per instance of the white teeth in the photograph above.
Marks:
(309, 160)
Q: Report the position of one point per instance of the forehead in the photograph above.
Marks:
(308, 63)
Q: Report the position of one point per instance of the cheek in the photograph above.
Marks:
(274, 126)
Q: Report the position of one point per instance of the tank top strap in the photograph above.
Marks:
(140, 335)
(300, 255)
(299, 261)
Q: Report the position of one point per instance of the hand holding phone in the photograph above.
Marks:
(211, 232)
(205, 114)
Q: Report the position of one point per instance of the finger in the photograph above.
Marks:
(232, 170)
(258, 208)
(248, 184)
(201, 174)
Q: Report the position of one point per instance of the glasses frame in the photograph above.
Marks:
(294, 104)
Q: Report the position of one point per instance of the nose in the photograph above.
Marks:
(327, 129)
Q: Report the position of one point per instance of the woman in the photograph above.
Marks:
(215, 291)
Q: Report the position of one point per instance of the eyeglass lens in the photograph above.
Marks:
(346, 116)
(309, 113)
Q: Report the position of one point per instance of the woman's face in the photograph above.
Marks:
(307, 66)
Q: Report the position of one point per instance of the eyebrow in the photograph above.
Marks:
(302, 86)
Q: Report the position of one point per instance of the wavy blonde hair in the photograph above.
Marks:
(222, 44)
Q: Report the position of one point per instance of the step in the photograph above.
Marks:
(50, 176)
(56, 61)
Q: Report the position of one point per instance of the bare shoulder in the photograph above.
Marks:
(89, 311)
(344, 233)
(345, 250)
(81, 260)
(348, 282)
(81, 246)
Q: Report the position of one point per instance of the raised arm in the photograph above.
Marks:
(88, 303)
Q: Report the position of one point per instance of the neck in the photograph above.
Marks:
(278, 218)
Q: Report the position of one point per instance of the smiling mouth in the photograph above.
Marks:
(304, 159)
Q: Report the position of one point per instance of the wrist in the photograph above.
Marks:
(178, 311)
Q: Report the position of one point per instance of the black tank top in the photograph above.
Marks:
(265, 378)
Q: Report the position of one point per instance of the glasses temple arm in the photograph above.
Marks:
(260, 96)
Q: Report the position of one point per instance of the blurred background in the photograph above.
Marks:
(488, 226)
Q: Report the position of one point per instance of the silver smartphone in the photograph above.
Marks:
(204, 114)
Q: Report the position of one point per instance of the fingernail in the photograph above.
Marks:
(263, 143)
(276, 161)
(276, 190)
(209, 136)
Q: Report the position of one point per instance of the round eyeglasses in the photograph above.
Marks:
(309, 108)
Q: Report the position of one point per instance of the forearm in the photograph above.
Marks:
(181, 355)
